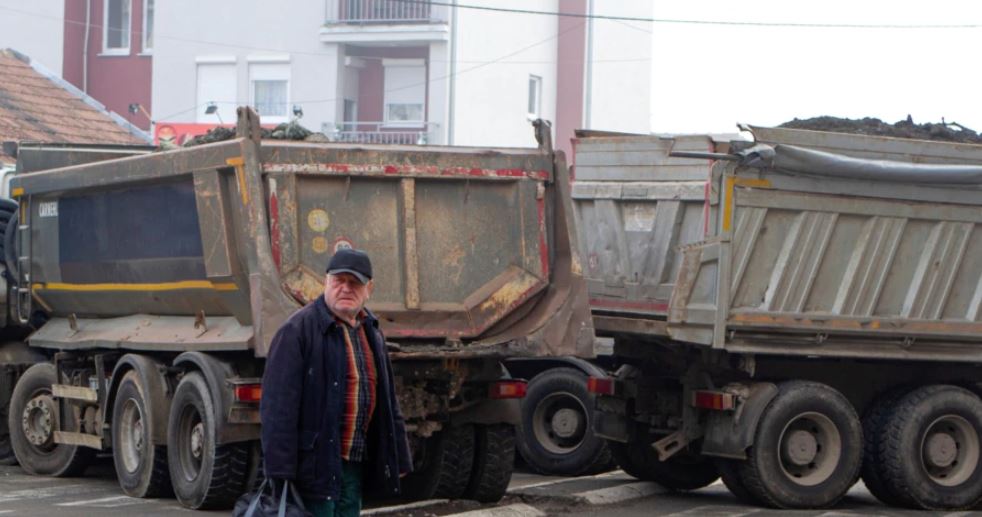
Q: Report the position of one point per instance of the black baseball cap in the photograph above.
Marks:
(347, 260)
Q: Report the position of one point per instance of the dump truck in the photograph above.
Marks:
(146, 290)
(792, 314)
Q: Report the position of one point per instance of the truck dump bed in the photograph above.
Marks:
(213, 247)
(635, 205)
(840, 245)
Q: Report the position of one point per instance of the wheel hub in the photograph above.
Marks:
(565, 422)
(37, 420)
(941, 450)
(197, 440)
(801, 447)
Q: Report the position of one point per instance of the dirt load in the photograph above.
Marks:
(945, 131)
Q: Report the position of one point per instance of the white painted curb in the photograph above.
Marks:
(408, 506)
(619, 493)
(512, 510)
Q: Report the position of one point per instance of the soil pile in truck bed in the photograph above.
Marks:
(949, 132)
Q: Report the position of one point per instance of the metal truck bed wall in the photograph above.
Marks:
(635, 205)
(213, 247)
(806, 262)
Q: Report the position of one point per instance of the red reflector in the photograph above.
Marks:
(248, 392)
(508, 390)
(600, 385)
(712, 400)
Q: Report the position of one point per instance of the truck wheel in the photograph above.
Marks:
(32, 422)
(872, 467)
(447, 458)
(7, 378)
(556, 436)
(930, 449)
(204, 475)
(807, 448)
(494, 459)
(729, 472)
(141, 465)
(684, 471)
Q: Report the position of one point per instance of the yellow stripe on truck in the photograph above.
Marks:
(731, 183)
(166, 286)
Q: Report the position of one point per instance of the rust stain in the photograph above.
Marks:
(507, 295)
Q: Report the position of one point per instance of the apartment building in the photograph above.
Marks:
(405, 71)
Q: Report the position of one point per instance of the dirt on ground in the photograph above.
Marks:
(945, 131)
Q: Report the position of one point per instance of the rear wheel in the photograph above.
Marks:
(683, 471)
(873, 421)
(445, 463)
(141, 465)
(807, 448)
(494, 460)
(204, 475)
(556, 436)
(32, 423)
(7, 378)
(931, 449)
(729, 471)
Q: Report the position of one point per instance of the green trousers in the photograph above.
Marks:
(349, 503)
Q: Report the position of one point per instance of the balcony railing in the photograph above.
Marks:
(381, 11)
(377, 133)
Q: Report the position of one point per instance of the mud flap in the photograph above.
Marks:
(729, 433)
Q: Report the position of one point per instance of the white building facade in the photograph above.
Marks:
(404, 71)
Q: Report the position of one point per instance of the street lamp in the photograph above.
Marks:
(212, 108)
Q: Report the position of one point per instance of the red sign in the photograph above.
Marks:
(177, 133)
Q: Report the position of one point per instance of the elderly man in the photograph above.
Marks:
(329, 412)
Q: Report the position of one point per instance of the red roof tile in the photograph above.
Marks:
(33, 108)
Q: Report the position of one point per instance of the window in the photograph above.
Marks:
(270, 91)
(535, 97)
(116, 27)
(216, 84)
(147, 26)
(405, 92)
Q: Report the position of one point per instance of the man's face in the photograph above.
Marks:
(345, 294)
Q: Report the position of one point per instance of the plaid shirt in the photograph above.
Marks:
(359, 393)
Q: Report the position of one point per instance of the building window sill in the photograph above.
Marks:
(122, 52)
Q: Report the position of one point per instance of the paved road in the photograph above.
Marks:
(98, 494)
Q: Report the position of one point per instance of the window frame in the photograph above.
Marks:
(144, 49)
(403, 124)
(260, 71)
(538, 97)
(117, 51)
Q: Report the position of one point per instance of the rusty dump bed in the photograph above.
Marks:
(213, 247)
(839, 245)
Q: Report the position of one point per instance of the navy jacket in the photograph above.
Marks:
(301, 408)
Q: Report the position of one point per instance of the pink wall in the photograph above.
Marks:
(371, 79)
(115, 81)
(570, 72)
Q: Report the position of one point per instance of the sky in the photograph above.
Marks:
(707, 78)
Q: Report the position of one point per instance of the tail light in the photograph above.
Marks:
(600, 385)
(510, 389)
(248, 392)
(715, 400)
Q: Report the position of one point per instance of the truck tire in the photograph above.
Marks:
(32, 421)
(807, 448)
(445, 470)
(683, 471)
(141, 465)
(556, 436)
(7, 380)
(494, 460)
(873, 421)
(729, 472)
(930, 449)
(204, 475)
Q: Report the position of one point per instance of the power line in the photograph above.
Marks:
(700, 22)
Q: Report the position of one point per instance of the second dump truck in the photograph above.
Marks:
(791, 314)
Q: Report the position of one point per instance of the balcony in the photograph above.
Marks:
(384, 21)
(360, 132)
